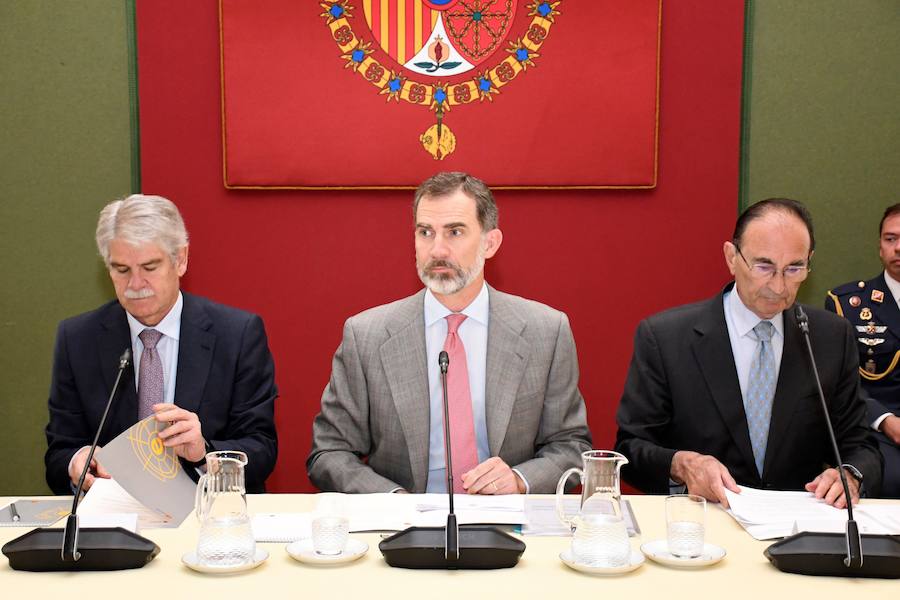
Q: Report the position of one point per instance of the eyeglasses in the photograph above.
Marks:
(761, 270)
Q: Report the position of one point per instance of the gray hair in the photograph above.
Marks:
(446, 183)
(139, 219)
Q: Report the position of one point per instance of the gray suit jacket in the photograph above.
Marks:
(373, 429)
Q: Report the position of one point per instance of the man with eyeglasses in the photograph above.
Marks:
(721, 393)
(873, 309)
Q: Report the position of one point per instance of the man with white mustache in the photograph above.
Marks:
(203, 368)
(721, 393)
(517, 419)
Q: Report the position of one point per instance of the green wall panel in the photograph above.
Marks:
(64, 153)
(823, 124)
(820, 126)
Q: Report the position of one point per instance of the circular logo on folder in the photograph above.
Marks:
(160, 461)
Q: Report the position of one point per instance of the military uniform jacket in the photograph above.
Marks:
(871, 309)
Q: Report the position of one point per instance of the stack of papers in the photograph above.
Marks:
(771, 514)
(542, 518)
(107, 501)
(394, 512)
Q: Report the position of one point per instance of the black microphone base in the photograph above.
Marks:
(810, 553)
(102, 549)
(480, 547)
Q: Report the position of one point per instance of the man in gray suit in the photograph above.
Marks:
(517, 417)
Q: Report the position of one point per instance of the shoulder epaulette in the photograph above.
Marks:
(852, 287)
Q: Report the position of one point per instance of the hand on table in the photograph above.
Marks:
(703, 475)
(493, 476)
(828, 487)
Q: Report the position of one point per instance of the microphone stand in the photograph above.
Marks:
(70, 538)
(812, 553)
(105, 548)
(451, 547)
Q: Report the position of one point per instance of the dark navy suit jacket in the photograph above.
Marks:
(225, 374)
(682, 393)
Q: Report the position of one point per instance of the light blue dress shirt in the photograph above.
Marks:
(473, 332)
(744, 345)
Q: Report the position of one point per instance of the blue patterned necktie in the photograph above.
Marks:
(150, 381)
(760, 392)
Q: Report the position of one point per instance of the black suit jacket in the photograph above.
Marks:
(225, 374)
(682, 393)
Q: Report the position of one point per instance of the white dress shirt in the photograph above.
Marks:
(167, 347)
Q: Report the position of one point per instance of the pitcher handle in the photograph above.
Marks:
(560, 494)
(201, 497)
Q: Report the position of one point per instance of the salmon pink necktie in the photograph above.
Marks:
(464, 450)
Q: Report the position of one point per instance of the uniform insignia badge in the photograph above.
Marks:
(870, 366)
(443, 38)
(865, 314)
(871, 341)
(877, 296)
(855, 301)
(871, 328)
(861, 284)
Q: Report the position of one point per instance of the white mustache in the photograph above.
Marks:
(138, 294)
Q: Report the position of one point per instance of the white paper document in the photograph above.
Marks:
(390, 512)
(106, 497)
(773, 514)
(281, 527)
(149, 471)
(127, 521)
(393, 512)
(544, 520)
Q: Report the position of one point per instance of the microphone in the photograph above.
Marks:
(830, 554)
(451, 547)
(104, 548)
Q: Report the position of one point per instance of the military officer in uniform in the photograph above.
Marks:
(873, 307)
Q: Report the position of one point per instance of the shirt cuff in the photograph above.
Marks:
(396, 489)
(525, 481)
(857, 474)
(876, 424)
(676, 488)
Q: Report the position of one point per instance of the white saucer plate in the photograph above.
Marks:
(636, 560)
(190, 559)
(302, 550)
(658, 551)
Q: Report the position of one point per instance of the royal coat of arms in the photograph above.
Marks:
(431, 43)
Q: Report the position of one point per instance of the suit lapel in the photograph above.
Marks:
(403, 359)
(115, 337)
(507, 353)
(712, 350)
(195, 350)
(788, 391)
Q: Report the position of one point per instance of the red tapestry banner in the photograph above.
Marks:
(384, 93)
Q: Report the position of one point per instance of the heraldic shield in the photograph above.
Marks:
(439, 37)
(368, 93)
